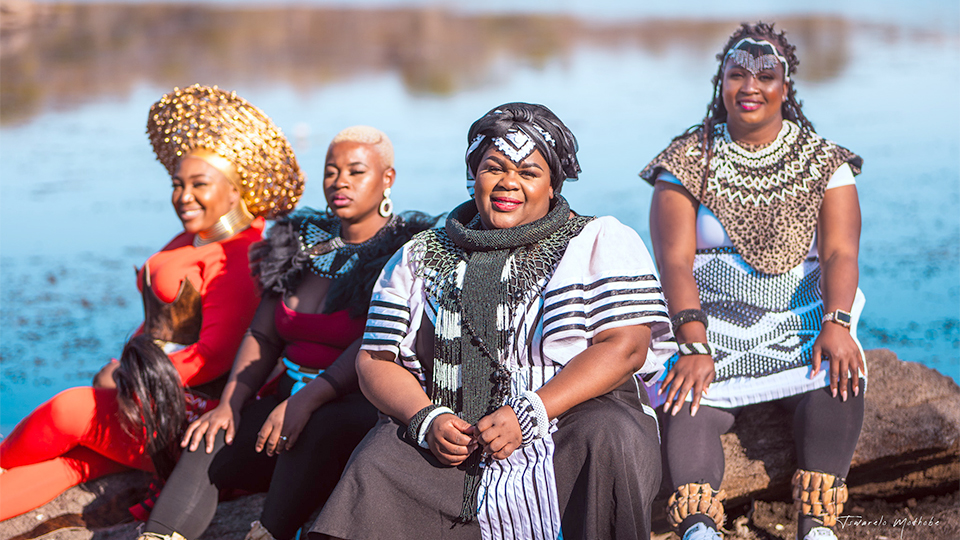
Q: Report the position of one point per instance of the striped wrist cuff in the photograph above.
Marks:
(687, 349)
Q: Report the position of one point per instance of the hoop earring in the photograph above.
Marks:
(386, 205)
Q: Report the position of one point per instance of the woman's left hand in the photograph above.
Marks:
(499, 433)
(836, 345)
(283, 426)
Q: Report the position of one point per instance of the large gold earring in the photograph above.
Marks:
(386, 205)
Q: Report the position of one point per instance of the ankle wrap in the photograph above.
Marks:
(258, 532)
(817, 496)
(690, 499)
(158, 536)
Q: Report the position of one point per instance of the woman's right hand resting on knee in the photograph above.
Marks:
(223, 416)
(256, 358)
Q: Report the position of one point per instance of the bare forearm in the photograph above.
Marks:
(839, 278)
(343, 371)
(390, 387)
(600, 368)
(251, 368)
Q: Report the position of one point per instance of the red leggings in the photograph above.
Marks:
(73, 438)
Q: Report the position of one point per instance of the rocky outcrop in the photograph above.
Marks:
(909, 446)
(909, 451)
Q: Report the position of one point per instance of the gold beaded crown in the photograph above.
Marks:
(210, 122)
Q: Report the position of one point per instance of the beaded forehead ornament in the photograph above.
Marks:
(233, 136)
(756, 55)
(515, 144)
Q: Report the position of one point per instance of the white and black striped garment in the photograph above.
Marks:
(605, 279)
(762, 328)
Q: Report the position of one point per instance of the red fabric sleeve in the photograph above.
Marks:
(230, 298)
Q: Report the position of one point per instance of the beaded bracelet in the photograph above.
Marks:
(687, 349)
(532, 415)
(688, 315)
(425, 425)
(413, 428)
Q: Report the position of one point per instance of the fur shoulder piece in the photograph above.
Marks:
(295, 242)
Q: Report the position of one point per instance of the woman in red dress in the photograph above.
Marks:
(231, 168)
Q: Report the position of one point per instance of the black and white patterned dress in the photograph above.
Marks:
(604, 280)
(759, 290)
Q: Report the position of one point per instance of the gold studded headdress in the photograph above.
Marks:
(235, 137)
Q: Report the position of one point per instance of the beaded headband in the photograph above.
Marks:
(234, 137)
(515, 144)
(756, 55)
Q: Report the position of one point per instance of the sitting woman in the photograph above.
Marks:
(504, 349)
(756, 225)
(231, 168)
(317, 270)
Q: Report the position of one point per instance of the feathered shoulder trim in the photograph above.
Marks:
(281, 261)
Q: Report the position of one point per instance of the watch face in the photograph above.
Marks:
(843, 317)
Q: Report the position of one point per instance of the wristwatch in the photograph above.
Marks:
(840, 317)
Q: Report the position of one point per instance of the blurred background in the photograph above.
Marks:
(83, 201)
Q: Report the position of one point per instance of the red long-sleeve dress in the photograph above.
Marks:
(76, 436)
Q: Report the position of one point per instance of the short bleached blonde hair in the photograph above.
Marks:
(368, 135)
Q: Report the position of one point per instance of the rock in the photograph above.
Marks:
(99, 510)
(909, 445)
(909, 449)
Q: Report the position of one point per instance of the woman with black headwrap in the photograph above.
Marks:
(503, 350)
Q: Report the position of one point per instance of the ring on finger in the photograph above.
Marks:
(283, 438)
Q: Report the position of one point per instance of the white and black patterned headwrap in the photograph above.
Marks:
(755, 55)
(517, 129)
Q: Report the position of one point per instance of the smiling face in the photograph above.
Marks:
(753, 102)
(354, 180)
(201, 194)
(510, 194)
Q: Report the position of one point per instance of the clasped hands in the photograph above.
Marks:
(452, 439)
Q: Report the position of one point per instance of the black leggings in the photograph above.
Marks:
(297, 481)
(825, 431)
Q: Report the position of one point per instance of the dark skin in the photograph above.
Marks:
(754, 116)
(507, 194)
(201, 194)
(354, 181)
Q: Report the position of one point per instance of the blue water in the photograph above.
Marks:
(82, 200)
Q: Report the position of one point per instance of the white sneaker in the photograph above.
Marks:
(820, 533)
(702, 532)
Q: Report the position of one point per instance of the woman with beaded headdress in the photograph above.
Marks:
(316, 271)
(755, 225)
(503, 349)
(231, 167)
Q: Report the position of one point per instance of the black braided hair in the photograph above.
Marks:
(561, 157)
(717, 111)
(152, 402)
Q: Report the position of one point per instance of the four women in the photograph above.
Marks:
(505, 350)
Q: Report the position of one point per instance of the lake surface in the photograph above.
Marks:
(83, 201)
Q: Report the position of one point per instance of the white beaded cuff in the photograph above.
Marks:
(532, 415)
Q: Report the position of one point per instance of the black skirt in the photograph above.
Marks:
(606, 463)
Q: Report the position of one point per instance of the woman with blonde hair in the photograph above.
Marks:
(292, 436)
